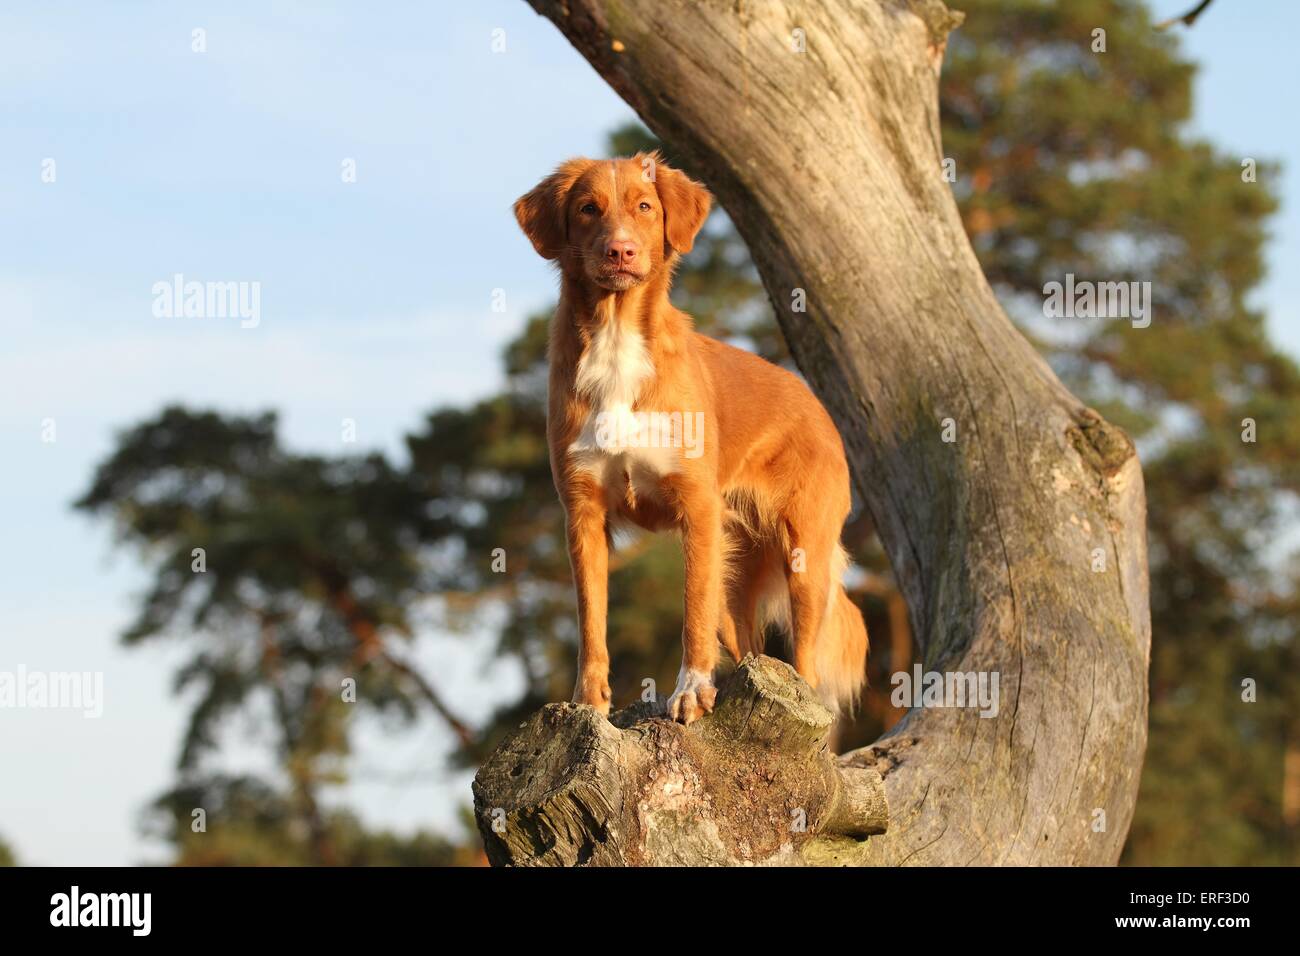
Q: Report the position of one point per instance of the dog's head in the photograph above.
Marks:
(613, 223)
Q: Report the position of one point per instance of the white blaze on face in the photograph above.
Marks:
(620, 234)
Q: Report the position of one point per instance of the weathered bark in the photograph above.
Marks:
(829, 162)
(752, 783)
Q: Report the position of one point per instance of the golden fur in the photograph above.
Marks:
(760, 502)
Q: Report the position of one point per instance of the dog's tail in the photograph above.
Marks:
(842, 645)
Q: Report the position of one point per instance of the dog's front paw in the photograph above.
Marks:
(593, 689)
(693, 697)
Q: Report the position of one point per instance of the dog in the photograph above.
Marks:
(655, 426)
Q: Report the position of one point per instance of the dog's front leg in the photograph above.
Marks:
(702, 542)
(589, 556)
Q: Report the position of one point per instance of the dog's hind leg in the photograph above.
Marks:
(807, 574)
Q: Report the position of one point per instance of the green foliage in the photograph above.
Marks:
(294, 578)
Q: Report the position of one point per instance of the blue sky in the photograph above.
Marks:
(376, 306)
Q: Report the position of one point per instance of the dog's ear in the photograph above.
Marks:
(541, 212)
(686, 206)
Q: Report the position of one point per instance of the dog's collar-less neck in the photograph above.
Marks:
(636, 306)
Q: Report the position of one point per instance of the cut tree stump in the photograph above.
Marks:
(753, 783)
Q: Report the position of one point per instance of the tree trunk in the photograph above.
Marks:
(1013, 515)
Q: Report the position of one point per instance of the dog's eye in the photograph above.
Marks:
(645, 207)
(589, 209)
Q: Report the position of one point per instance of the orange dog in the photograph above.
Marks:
(652, 424)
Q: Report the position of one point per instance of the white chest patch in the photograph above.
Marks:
(611, 374)
(614, 366)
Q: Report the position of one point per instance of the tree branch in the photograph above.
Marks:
(1187, 19)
